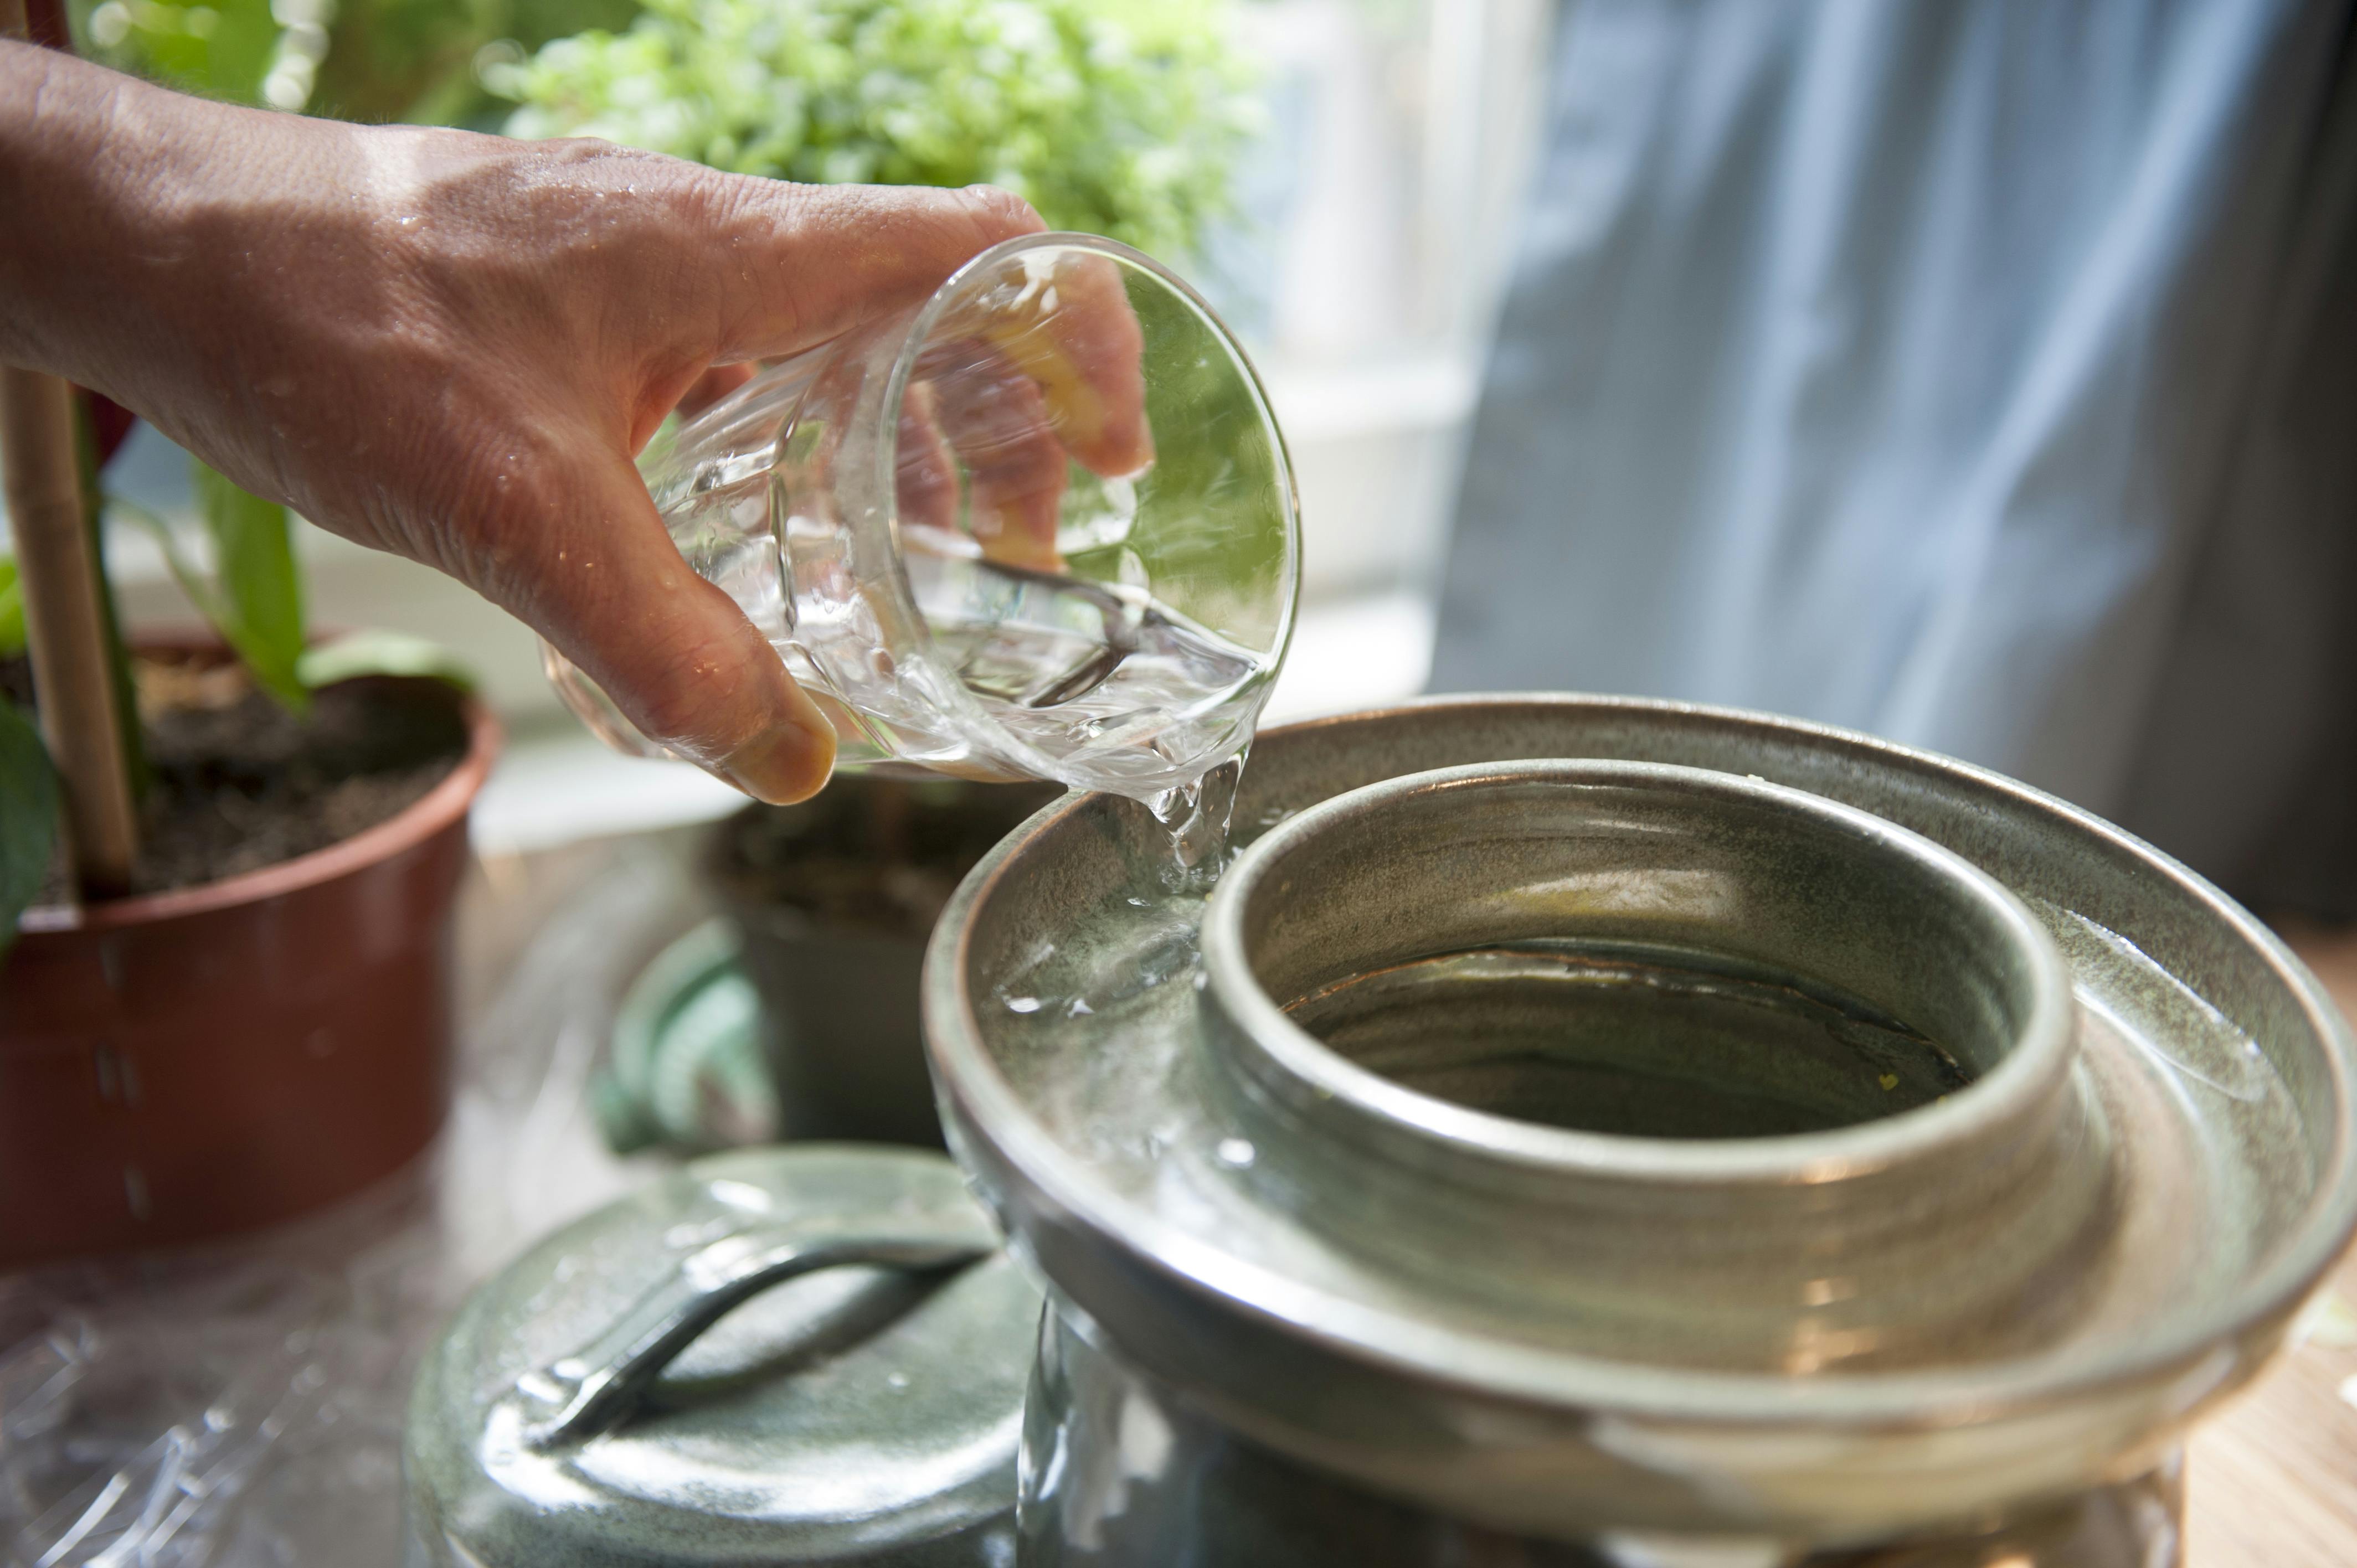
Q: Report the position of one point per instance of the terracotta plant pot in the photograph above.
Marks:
(188, 1064)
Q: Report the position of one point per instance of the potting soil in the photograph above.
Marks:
(238, 782)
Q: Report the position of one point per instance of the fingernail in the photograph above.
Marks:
(782, 764)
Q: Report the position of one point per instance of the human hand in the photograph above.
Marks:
(451, 346)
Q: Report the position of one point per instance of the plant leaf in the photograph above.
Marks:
(253, 597)
(219, 48)
(253, 562)
(1120, 117)
(118, 652)
(28, 817)
(12, 610)
(194, 580)
(381, 653)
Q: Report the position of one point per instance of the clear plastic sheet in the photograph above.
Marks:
(243, 1404)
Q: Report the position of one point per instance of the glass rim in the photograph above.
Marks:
(966, 707)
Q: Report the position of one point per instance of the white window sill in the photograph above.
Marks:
(557, 785)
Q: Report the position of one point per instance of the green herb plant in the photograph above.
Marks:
(371, 60)
(1117, 117)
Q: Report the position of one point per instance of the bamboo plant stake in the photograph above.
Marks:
(65, 619)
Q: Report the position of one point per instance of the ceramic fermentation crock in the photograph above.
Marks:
(1605, 1131)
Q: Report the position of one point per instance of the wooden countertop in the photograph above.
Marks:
(2272, 1482)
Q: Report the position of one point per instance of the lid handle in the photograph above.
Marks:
(582, 1394)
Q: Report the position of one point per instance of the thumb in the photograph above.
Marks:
(609, 590)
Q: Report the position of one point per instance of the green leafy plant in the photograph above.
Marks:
(351, 59)
(1119, 117)
(12, 610)
(28, 785)
(220, 48)
(252, 594)
(28, 817)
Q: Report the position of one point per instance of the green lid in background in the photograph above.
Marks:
(814, 1354)
(686, 1068)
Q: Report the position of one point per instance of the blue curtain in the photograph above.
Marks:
(1982, 374)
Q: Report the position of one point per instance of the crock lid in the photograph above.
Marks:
(808, 1355)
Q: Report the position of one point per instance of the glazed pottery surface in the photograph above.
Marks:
(1351, 1255)
(813, 1354)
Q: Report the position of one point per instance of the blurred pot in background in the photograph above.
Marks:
(834, 899)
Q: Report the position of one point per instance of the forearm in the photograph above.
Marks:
(145, 229)
(189, 258)
(94, 168)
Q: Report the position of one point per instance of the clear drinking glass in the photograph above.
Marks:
(1041, 526)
